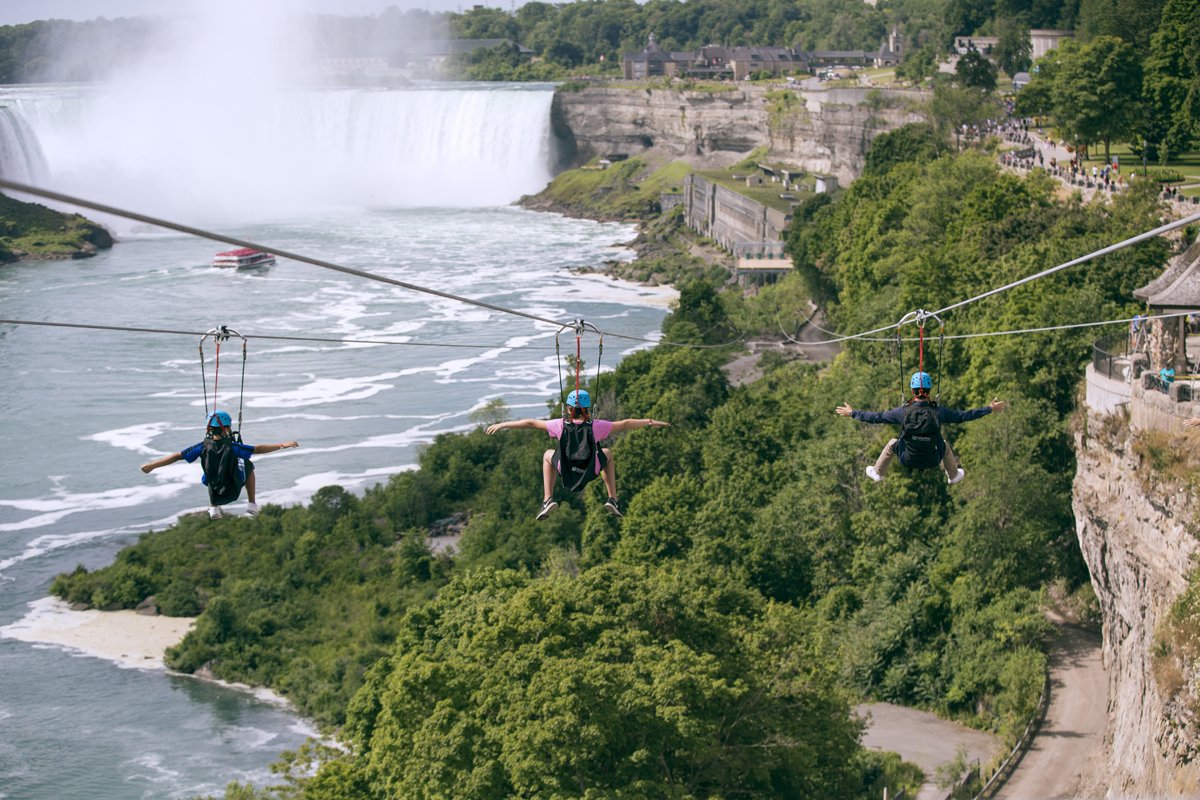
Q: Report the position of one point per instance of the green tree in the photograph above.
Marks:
(953, 106)
(975, 71)
(1097, 92)
(919, 64)
(1014, 47)
(1171, 85)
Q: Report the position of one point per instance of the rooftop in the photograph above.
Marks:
(1179, 285)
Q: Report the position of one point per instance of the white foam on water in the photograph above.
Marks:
(324, 391)
(63, 504)
(249, 738)
(304, 488)
(136, 437)
(149, 767)
(49, 543)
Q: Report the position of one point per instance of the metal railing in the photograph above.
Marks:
(1110, 356)
(1006, 768)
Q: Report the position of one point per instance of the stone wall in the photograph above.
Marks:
(822, 131)
(727, 217)
(1133, 529)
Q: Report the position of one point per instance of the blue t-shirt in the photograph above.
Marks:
(242, 451)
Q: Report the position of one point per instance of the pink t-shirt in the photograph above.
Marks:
(601, 429)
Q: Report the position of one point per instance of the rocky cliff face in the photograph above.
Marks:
(826, 132)
(1134, 526)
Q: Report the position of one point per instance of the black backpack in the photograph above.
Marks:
(220, 464)
(577, 455)
(921, 434)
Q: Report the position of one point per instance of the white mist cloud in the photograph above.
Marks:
(13, 12)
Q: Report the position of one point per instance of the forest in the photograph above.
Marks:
(713, 641)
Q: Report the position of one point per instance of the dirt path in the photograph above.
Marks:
(807, 345)
(1073, 730)
(923, 739)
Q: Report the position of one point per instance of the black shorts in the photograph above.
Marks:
(590, 475)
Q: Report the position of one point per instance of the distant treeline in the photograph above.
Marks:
(60, 51)
(565, 36)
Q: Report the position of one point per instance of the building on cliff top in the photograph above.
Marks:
(1176, 291)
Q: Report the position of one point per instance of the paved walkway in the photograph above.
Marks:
(1073, 730)
(924, 739)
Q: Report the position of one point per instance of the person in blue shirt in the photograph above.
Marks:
(919, 446)
(219, 428)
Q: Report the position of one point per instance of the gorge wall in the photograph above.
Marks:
(1136, 528)
(822, 131)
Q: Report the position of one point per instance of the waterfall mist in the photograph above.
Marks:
(215, 124)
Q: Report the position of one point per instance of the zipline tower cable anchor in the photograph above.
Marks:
(220, 334)
(579, 327)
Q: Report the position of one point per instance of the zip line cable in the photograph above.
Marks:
(316, 262)
(1045, 329)
(233, 240)
(267, 337)
(204, 234)
(1112, 248)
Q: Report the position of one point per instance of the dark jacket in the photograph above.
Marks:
(896, 415)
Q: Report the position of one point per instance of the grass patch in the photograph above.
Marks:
(1176, 650)
(622, 191)
(768, 193)
(1171, 460)
(32, 229)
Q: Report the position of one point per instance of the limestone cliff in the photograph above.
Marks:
(1135, 524)
(826, 132)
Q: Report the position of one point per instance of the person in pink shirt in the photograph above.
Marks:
(579, 405)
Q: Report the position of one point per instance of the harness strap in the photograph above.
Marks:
(216, 375)
(203, 381)
(241, 394)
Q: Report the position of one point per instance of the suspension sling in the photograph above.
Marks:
(223, 473)
(577, 452)
(219, 335)
(580, 327)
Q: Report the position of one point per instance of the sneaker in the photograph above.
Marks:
(610, 505)
(956, 477)
(547, 507)
(214, 512)
(873, 474)
(251, 509)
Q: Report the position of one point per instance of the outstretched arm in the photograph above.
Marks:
(633, 424)
(951, 415)
(875, 417)
(539, 424)
(162, 462)
(271, 448)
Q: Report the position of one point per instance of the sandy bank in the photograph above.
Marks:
(124, 637)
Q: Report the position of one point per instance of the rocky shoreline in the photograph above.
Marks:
(33, 232)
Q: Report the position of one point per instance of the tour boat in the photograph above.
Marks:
(243, 258)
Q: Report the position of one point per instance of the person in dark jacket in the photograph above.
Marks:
(920, 444)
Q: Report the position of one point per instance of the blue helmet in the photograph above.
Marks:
(579, 398)
(219, 419)
(920, 380)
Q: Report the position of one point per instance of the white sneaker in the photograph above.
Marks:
(873, 474)
(956, 477)
(251, 509)
(214, 512)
